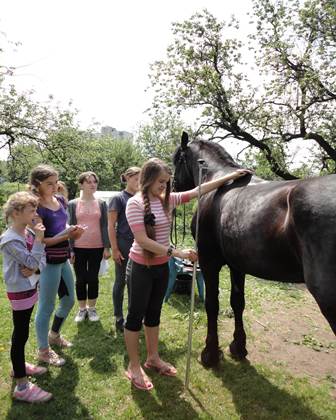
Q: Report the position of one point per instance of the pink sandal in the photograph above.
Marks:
(32, 394)
(165, 369)
(145, 386)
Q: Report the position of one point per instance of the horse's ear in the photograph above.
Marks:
(184, 140)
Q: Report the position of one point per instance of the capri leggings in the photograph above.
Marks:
(147, 287)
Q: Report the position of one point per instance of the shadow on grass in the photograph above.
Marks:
(167, 399)
(94, 343)
(255, 397)
(64, 405)
(181, 303)
(166, 402)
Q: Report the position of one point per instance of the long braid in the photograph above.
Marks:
(149, 226)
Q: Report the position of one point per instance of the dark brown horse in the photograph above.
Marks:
(276, 230)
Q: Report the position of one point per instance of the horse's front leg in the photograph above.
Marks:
(237, 301)
(211, 354)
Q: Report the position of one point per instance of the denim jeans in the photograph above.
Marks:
(49, 282)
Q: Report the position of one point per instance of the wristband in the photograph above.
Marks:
(170, 250)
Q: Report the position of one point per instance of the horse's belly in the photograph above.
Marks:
(290, 275)
(269, 263)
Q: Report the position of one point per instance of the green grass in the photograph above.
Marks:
(92, 384)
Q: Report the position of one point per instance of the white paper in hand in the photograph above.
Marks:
(65, 231)
(33, 279)
(103, 267)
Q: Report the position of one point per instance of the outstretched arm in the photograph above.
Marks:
(216, 183)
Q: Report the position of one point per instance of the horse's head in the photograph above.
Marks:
(183, 163)
(186, 163)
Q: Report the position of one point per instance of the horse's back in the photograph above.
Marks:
(266, 228)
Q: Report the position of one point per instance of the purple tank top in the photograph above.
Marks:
(54, 221)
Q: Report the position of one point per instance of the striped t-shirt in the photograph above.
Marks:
(135, 216)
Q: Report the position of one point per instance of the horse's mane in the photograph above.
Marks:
(217, 151)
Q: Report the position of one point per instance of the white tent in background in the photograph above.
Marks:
(105, 195)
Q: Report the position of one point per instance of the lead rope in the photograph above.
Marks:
(173, 228)
(184, 223)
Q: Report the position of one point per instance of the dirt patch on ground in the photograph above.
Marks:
(295, 337)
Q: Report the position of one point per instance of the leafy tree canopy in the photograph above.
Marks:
(160, 136)
(73, 151)
(294, 48)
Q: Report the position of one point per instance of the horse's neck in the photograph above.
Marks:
(211, 174)
(218, 166)
(217, 169)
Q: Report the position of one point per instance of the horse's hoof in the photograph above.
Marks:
(211, 359)
(237, 353)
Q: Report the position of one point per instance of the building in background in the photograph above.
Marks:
(113, 132)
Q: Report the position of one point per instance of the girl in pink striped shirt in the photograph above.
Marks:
(23, 254)
(149, 215)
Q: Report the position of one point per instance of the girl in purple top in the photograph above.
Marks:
(52, 210)
(23, 254)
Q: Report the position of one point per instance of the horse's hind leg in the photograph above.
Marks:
(324, 291)
(211, 354)
(328, 308)
(319, 271)
(237, 300)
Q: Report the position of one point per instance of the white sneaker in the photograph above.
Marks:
(92, 314)
(81, 315)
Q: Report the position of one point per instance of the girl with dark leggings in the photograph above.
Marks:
(88, 251)
(23, 255)
(121, 238)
